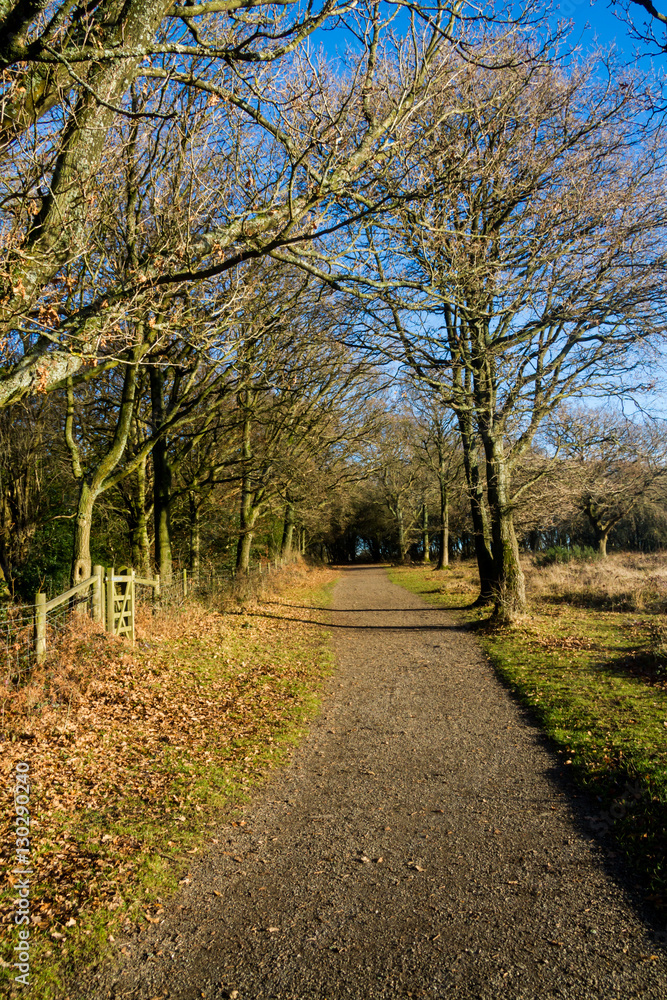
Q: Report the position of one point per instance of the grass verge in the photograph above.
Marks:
(596, 683)
(136, 755)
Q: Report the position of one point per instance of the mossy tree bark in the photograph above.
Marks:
(194, 504)
(100, 475)
(139, 540)
(509, 583)
(426, 542)
(288, 529)
(601, 523)
(251, 497)
(162, 480)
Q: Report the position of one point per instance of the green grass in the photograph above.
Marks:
(582, 673)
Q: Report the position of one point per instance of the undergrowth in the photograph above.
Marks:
(137, 754)
(566, 554)
(595, 681)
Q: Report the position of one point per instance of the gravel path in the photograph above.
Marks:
(418, 845)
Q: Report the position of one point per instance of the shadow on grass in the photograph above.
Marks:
(620, 811)
(595, 600)
(349, 611)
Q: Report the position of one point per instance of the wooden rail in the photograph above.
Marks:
(42, 607)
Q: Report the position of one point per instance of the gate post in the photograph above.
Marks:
(40, 627)
(98, 592)
(110, 600)
(133, 574)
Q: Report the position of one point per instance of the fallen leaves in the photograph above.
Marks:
(567, 643)
(121, 743)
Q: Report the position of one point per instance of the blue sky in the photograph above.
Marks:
(595, 21)
(603, 22)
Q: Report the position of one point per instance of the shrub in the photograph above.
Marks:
(566, 554)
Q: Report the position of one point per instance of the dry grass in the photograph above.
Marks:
(621, 582)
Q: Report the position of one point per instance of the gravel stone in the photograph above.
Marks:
(423, 842)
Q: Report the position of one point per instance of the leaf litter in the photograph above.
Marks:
(134, 752)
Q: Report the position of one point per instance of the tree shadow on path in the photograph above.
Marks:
(372, 628)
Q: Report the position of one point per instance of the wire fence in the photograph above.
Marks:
(212, 582)
(35, 633)
(18, 648)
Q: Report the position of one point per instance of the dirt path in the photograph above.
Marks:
(418, 845)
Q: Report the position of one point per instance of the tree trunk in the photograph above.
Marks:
(426, 543)
(162, 477)
(194, 537)
(601, 529)
(162, 513)
(602, 535)
(288, 529)
(98, 480)
(81, 560)
(509, 583)
(481, 540)
(246, 513)
(443, 556)
(139, 533)
(5, 592)
(402, 547)
(244, 545)
(243, 553)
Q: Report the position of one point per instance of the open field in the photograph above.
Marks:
(136, 753)
(589, 662)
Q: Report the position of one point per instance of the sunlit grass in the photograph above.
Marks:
(595, 682)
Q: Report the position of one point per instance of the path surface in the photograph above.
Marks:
(418, 845)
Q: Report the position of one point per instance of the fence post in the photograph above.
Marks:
(98, 590)
(185, 583)
(40, 627)
(110, 600)
(132, 604)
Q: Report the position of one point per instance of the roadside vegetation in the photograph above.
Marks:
(137, 755)
(589, 662)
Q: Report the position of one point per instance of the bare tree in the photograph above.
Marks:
(287, 140)
(438, 447)
(614, 464)
(650, 28)
(545, 261)
(398, 478)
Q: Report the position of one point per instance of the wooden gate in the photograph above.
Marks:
(120, 601)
